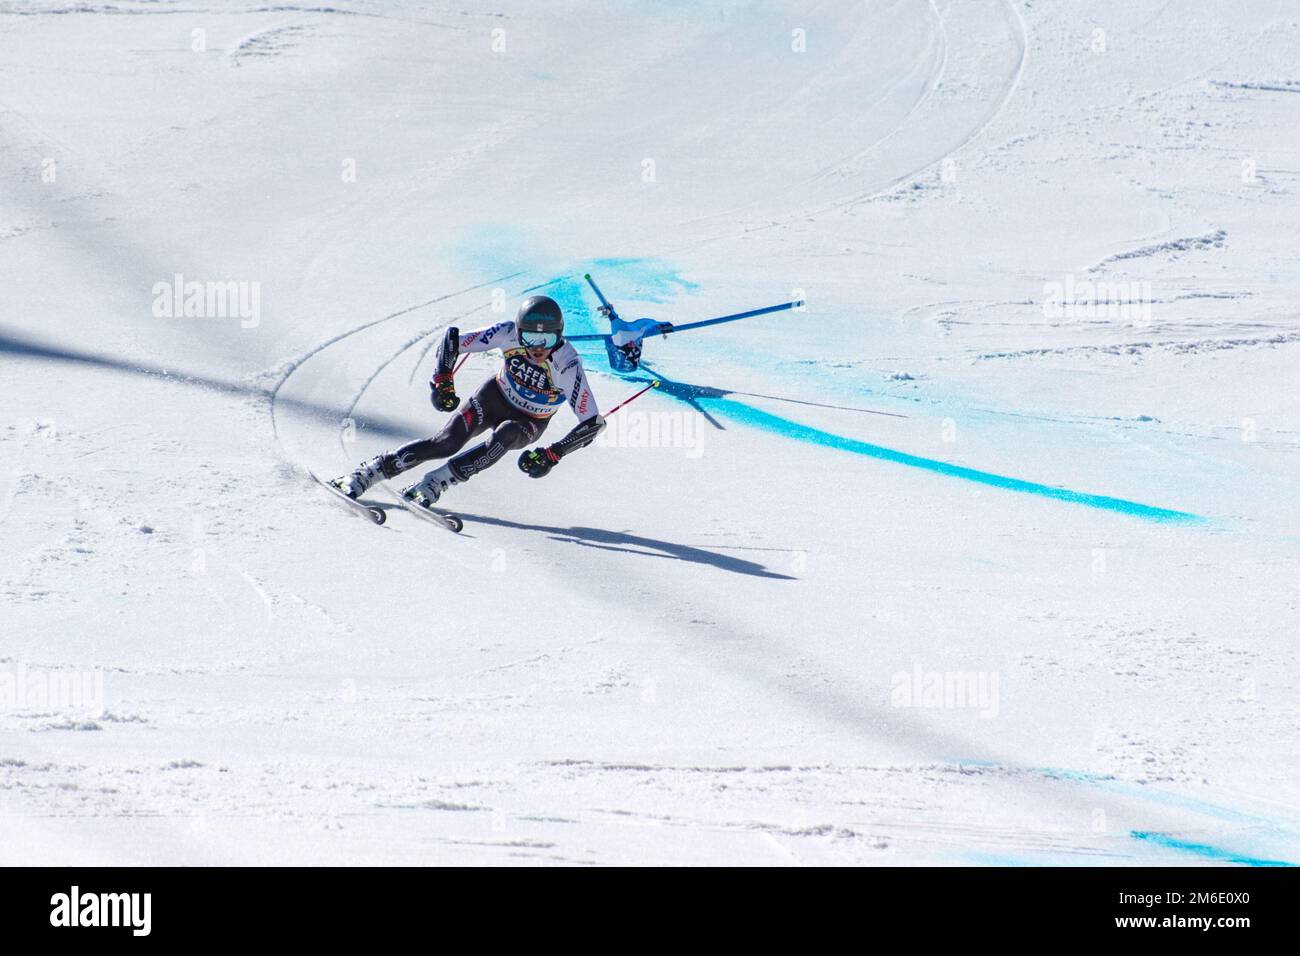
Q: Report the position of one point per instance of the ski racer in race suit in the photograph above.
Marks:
(540, 371)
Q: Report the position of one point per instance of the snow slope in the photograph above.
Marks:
(700, 653)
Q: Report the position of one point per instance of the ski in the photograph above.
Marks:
(373, 512)
(444, 519)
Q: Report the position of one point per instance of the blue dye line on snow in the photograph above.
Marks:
(645, 280)
(1203, 850)
(1145, 793)
(653, 280)
(766, 421)
(1136, 791)
(1181, 801)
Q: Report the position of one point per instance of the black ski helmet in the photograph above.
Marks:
(540, 314)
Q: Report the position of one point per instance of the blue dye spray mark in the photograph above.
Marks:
(646, 280)
(1150, 795)
(1136, 791)
(498, 250)
(654, 280)
(766, 421)
(1203, 850)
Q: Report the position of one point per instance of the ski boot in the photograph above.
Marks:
(365, 475)
(431, 487)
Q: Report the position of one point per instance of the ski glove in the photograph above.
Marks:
(538, 462)
(444, 395)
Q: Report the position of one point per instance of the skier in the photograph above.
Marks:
(540, 370)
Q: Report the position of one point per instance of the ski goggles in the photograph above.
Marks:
(539, 340)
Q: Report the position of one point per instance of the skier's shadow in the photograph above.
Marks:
(604, 540)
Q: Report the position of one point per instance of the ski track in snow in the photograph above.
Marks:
(743, 413)
(697, 789)
(1171, 249)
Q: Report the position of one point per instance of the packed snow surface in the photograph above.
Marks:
(988, 554)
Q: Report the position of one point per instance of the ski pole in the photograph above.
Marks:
(653, 384)
(463, 359)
